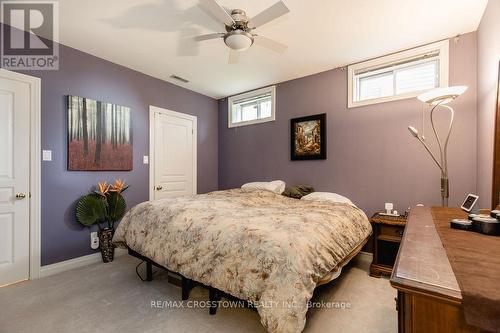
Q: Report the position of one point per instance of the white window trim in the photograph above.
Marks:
(442, 47)
(250, 94)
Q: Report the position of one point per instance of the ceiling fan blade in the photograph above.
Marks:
(208, 36)
(266, 16)
(217, 12)
(270, 44)
(234, 57)
(187, 44)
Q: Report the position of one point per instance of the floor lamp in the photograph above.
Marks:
(440, 97)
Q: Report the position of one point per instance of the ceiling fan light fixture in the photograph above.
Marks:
(238, 40)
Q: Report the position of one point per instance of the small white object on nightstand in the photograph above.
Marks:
(388, 207)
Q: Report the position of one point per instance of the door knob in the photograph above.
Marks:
(20, 196)
(159, 188)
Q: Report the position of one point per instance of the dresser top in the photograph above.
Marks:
(422, 264)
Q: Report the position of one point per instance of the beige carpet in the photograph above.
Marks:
(111, 298)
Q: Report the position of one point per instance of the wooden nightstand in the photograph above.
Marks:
(387, 234)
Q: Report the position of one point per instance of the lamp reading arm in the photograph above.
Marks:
(430, 153)
(414, 132)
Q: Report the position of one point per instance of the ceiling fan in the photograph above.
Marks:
(239, 35)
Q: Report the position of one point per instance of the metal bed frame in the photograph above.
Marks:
(187, 285)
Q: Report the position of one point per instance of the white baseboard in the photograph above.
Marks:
(67, 265)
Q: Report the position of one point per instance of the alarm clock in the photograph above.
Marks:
(469, 203)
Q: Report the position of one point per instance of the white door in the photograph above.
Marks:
(173, 150)
(14, 180)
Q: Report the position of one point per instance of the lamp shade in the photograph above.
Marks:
(413, 131)
(442, 95)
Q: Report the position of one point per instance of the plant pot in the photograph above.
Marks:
(106, 244)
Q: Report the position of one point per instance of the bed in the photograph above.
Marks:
(257, 246)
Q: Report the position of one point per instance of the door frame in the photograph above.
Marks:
(495, 189)
(35, 84)
(194, 119)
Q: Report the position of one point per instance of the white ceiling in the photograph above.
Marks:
(150, 36)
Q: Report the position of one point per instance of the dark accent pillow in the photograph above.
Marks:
(298, 191)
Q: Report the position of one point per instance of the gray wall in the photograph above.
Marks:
(488, 53)
(84, 75)
(371, 156)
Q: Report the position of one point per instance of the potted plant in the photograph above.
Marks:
(104, 207)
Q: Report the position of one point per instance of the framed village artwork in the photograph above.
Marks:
(99, 136)
(308, 138)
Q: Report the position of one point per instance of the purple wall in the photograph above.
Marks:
(371, 156)
(84, 75)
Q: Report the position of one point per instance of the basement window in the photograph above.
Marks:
(398, 76)
(253, 107)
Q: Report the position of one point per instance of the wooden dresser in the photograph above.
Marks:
(429, 298)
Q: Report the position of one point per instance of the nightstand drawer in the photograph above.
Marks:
(391, 231)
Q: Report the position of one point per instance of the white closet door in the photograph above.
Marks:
(174, 154)
(14, 180)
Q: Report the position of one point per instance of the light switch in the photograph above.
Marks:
(145, 159)
(47, 155)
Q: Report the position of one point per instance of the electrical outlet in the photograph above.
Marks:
(145, 159)
(94, 240)
(47, 155)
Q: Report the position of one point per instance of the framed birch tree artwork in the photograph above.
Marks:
(99, 136)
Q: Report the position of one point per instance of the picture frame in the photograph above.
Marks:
(99, 135)
(308, 137)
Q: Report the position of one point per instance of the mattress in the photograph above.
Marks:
(255, 245)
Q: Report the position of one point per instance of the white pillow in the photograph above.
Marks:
(277, 186)
(326, 196)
